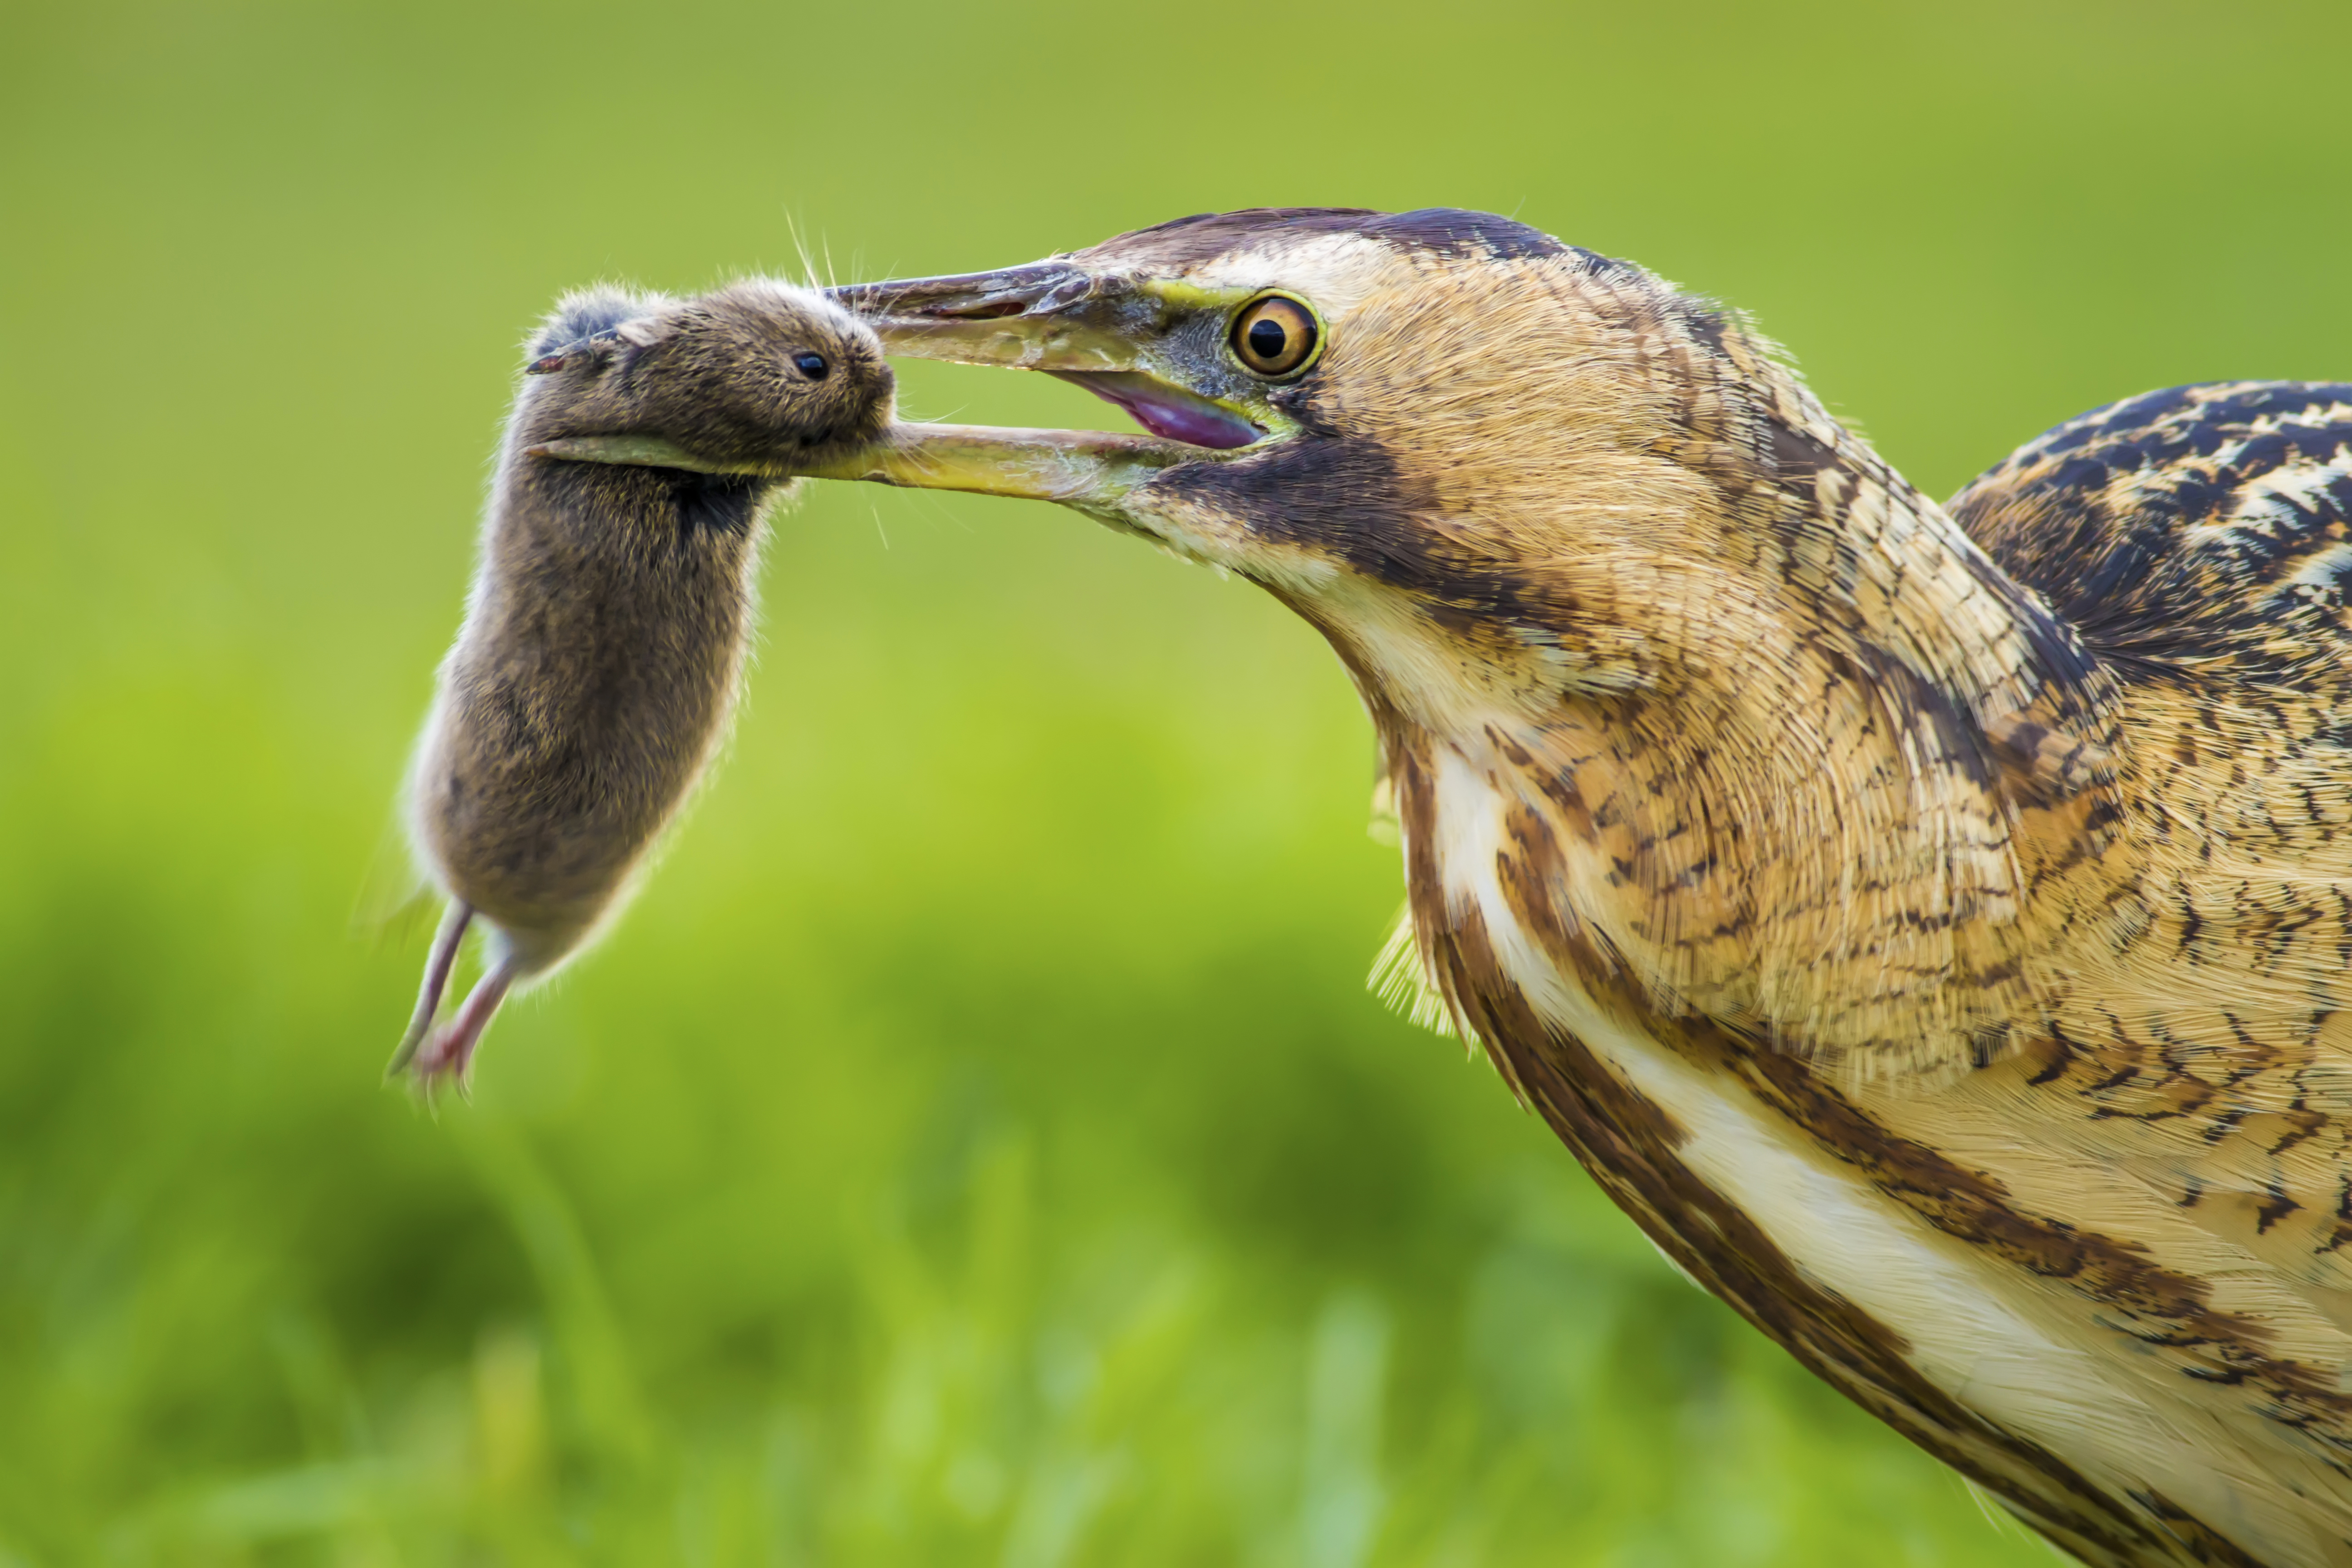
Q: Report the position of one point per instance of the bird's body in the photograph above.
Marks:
(1930, 925)
(2090, 1257)
(1944, 982)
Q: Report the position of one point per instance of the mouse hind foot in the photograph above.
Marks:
(446, 1054)
(438, 964)
(434, 1055)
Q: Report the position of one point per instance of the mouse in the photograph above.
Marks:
(612, 606)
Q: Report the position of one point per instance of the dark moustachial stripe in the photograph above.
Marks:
(1348, 497)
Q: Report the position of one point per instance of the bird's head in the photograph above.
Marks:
(1481, 461)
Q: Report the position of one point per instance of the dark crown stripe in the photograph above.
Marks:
(1441, 231)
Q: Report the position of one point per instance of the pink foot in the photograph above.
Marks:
(438, 965)
(436, 1056)
(447, 1054)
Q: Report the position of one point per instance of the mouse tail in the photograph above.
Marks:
(438, 963)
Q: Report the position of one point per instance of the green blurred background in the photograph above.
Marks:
(977, 1145)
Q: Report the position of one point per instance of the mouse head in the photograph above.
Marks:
(754, 374)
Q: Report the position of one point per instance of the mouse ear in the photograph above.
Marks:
(646, 330)
(597, 349)
(594, 352)
(586, 317)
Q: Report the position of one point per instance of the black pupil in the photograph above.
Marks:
(811, 366)
(1267, 337)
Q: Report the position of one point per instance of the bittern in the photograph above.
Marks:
(1929, 923)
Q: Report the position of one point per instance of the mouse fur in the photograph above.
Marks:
(605, 633)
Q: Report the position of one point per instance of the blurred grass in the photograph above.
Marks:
(976, 1147)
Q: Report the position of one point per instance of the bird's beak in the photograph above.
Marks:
(1106, 332)
(1049, 315)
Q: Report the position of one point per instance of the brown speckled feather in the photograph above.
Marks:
(2127, 915)
(2198, 540)
(2013, 925)
(1933, 927)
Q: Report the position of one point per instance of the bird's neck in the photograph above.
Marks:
(1793, 756)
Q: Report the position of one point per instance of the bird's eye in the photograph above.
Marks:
(1275, 336)
(811, 366)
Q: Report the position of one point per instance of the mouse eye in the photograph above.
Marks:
(1274, 335)
(811, 366)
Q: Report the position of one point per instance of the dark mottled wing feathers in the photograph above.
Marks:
(2200, 531)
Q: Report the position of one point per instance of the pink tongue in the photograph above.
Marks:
(1169, 415)
(1199, 426)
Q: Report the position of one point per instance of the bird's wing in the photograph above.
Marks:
(2197, 533)
(2199, 540)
